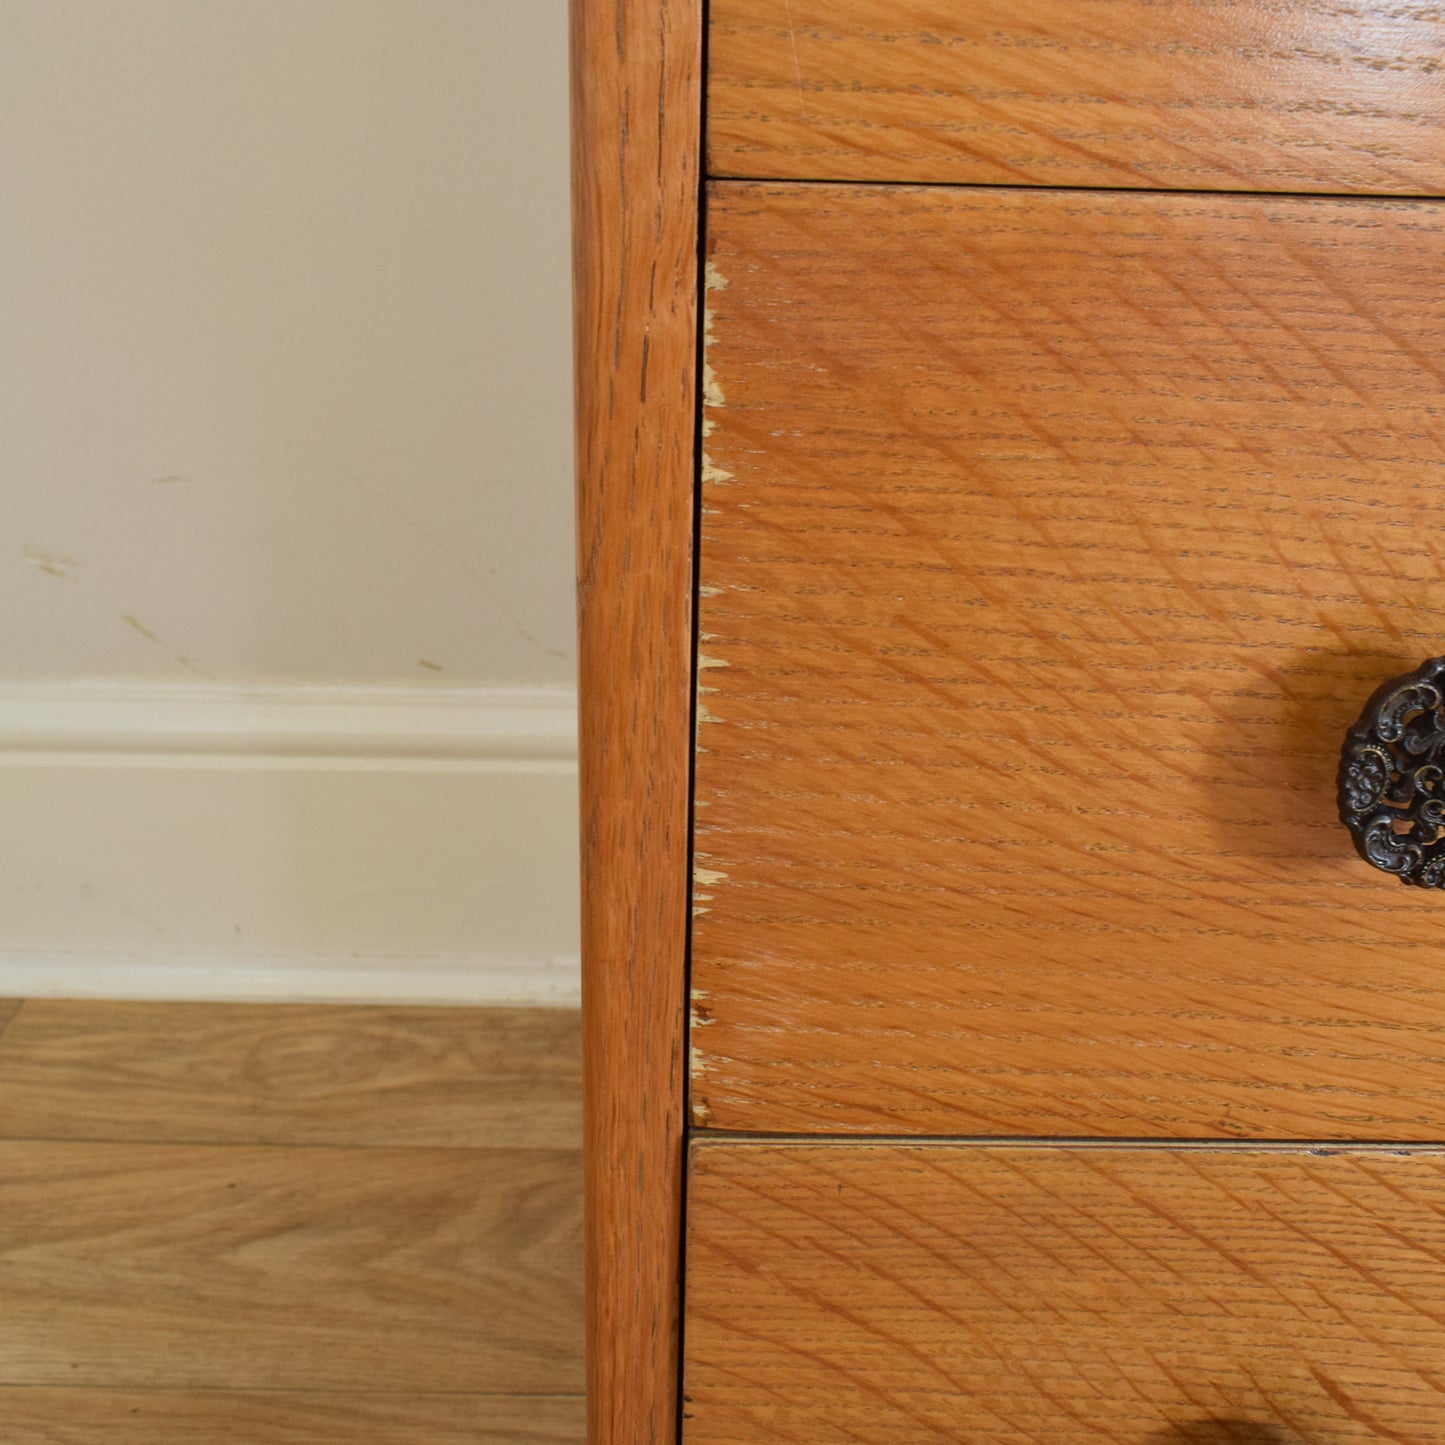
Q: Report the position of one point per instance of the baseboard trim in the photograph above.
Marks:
(169, 719)
(412, 845)
(237, 978)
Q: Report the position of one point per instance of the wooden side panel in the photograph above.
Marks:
(1050, 544)
(1193, 94)
(917, 1295)
(637, 89)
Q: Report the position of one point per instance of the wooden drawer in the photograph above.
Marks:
(1309, 95)
(1050, 543)
(1045, 544)
(1022, 1296)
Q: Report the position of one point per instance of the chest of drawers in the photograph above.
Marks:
(1009, 442)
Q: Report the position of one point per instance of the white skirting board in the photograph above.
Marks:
(402, 845)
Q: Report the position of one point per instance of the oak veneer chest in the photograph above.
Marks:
(1010, 451)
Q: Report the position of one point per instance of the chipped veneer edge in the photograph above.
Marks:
(712, 392)
(703, 878)
(711, 476)
(696, 1060)
(703, 663)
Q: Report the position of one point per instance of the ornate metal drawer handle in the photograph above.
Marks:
(1392, 777)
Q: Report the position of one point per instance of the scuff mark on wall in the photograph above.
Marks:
(53, 564)
(140, 627)
(487, 586)
(179, 658)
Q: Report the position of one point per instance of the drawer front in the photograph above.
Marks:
(1307, 95)
(1050, 542)
(912, 1294)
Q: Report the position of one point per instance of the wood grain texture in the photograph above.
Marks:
(637, 108)
(41, 1416)
(231, 1267)
(912, 1294)
(1050, 543)
(1196, 94)
(292, 1074)
(9, 1007)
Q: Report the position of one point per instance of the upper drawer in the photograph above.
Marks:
(1270, 95)
(1050, 543)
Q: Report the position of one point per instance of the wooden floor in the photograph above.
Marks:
(287, 1225)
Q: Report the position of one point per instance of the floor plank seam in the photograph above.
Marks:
(7, 1019)
(289, 1392)
(212, 1215)
(144, 1142)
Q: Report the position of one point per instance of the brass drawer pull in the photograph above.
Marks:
(1392, 783)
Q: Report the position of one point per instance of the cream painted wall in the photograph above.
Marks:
(286, 603)
(284, 378)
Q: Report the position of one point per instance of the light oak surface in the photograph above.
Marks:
(279, 1074)
(902, 1295)
(165, 1290)
(1050, 543)
(232, 1267)
(636, 118)
(182, 1417)
(1196, 94)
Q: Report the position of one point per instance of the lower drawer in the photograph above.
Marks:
(903, 1294)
